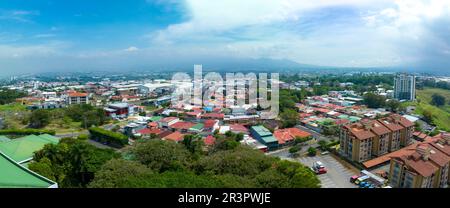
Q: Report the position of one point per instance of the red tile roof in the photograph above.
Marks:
(182, 125)
(175, 136)
(289, 134)
(213, 115)
(341, 121)
(391, 123)
(193, 113)
(149, 131)
(359, 131)
(209, 123)
(77, 94)
(168, 119)
(238, 128)
(379, 129)
(153, 124)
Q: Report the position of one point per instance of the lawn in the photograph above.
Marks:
(13, 107)
(441, 115)
(426, 94)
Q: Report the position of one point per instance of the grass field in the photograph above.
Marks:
(12, 107)
(441, 115)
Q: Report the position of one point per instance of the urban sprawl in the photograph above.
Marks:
(348, 134)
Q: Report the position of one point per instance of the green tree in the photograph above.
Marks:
(294, 150)
(161, 155)
(437, 100)
(39, 118)
(428, 116)
(304, 178)
(312, 151)
(393, 105)
(289, 118)
(113, 173)
(71, 162)
(374, 101)
(241, 161)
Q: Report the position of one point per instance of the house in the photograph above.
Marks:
(264, 136)
(133, 128)
(175, 136)
(168, 121)
(181, 126)
(253, 143)
(287, 136)
(120, 110)
(77, 98)
(219, 116)
(147, 133)
(193, 114)
(210, 125)
(197, 128)
(239, 128)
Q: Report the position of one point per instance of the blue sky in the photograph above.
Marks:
(52, 35)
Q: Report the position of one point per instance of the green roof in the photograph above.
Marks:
(262, 131)
(155, 118)
(269, 139)
(343, 116)
(22, 149)
(198, 126)
(354, 118)
(4, 139)
(13, 175)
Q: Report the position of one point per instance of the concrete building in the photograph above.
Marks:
(426, 167)
(77, 98)
(368, 139)
(264, 136)
(405, 87)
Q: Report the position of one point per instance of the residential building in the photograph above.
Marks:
(120, 110)
(77, 98)
(287, 136)
(426, 167)
(264, 136)
(405, 87)
(168, 121)
(364, 140)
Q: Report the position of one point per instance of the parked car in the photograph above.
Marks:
(318, 168)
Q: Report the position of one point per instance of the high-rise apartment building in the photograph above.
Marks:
(405, 87)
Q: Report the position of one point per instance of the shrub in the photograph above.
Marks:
(312, 151)
(112, 138)
(20, 132)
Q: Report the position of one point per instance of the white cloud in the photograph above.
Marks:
(132, 49)
(261, 28)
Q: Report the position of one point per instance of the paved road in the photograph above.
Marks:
(315, 134)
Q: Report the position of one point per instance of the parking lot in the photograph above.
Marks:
(337, 176)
